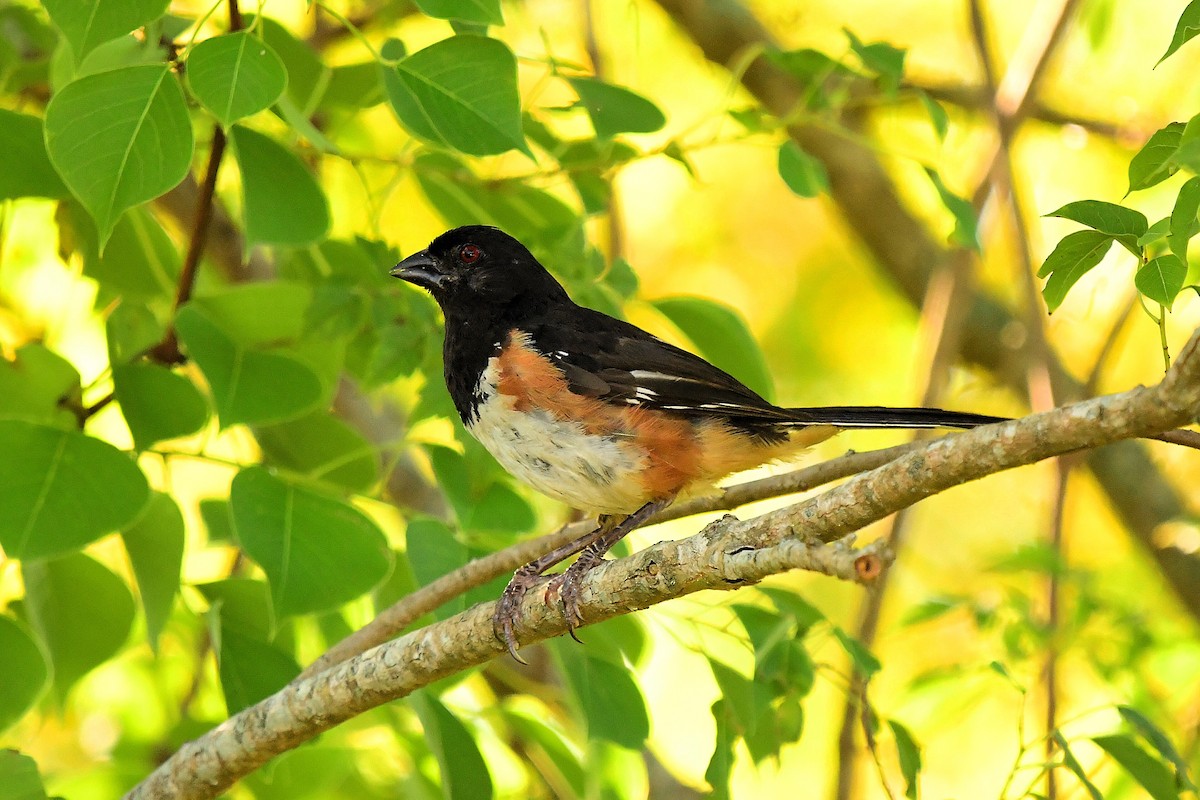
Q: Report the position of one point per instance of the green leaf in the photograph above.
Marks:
(354, 87)
(460, 93)
(65, 490)
(749, 703)
(118, 139)
(217, 518)
(484, 12)
(881, 58)
(1070, 260)
(813, 67)
(1187, 27)
(541, 731)
(250, 386)
(25, 672)
(500, 509)
(281, 201)
(612, 703)
(322, 447)
(87, 24)
(307, 75)
(235, 75)
(1072, 763)
(464, 773)
(910, 757)
(27, 169)
(1154, 163)
(966, 224)
(1187, 156)
(242, 605)
(155, 547)
(1150, 773)
(287, 529)
(720, 764)
(722, 336)
(433, 551)
(1183, 217)
(80, 610)
(140, 262)
(864, 660)
(526, 212)
(1123, 224)
(37, 385)
(157, 403)
(804, 174)
(251, 670)
(132, 330)
(937, 114)
(237, 310)
(615, 109)
(804, 613)
(780, 659)
(1161, 279)
(1159, 741)
(930, 609)
(19, 777)
(1156, 232)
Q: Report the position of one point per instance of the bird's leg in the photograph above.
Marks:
(568, 584)
(527, 576)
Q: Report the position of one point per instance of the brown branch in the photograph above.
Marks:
(727, 553)
(1182, 437)
(977, 98)
(167, 351)
(393, 620)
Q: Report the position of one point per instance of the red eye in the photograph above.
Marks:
(469, 253)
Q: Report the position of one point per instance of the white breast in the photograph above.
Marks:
(557, 457)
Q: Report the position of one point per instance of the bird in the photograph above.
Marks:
(596, 412)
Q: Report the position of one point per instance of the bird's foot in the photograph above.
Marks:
(508, 607)
(569, 586)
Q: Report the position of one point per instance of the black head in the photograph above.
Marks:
(476, 267)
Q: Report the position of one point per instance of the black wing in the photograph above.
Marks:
(615, 361)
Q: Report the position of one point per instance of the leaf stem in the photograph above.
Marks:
(1162, 336)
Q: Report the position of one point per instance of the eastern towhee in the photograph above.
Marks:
(596, 412)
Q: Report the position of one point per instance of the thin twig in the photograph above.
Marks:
(167, 351)
(1054, 616)
(616, 231)
(1181, 436)
(1012, 97)
(1108, 347)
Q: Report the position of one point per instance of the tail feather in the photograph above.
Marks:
(883, 417)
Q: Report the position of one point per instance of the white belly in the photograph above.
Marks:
(557, 457)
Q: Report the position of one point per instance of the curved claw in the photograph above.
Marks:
(507, 608)
(569, 588)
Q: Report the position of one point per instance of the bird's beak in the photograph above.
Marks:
(421, 269)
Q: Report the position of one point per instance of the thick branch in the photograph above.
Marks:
(904, 249)
(728, 552)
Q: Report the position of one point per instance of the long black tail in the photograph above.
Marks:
(883, 417)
